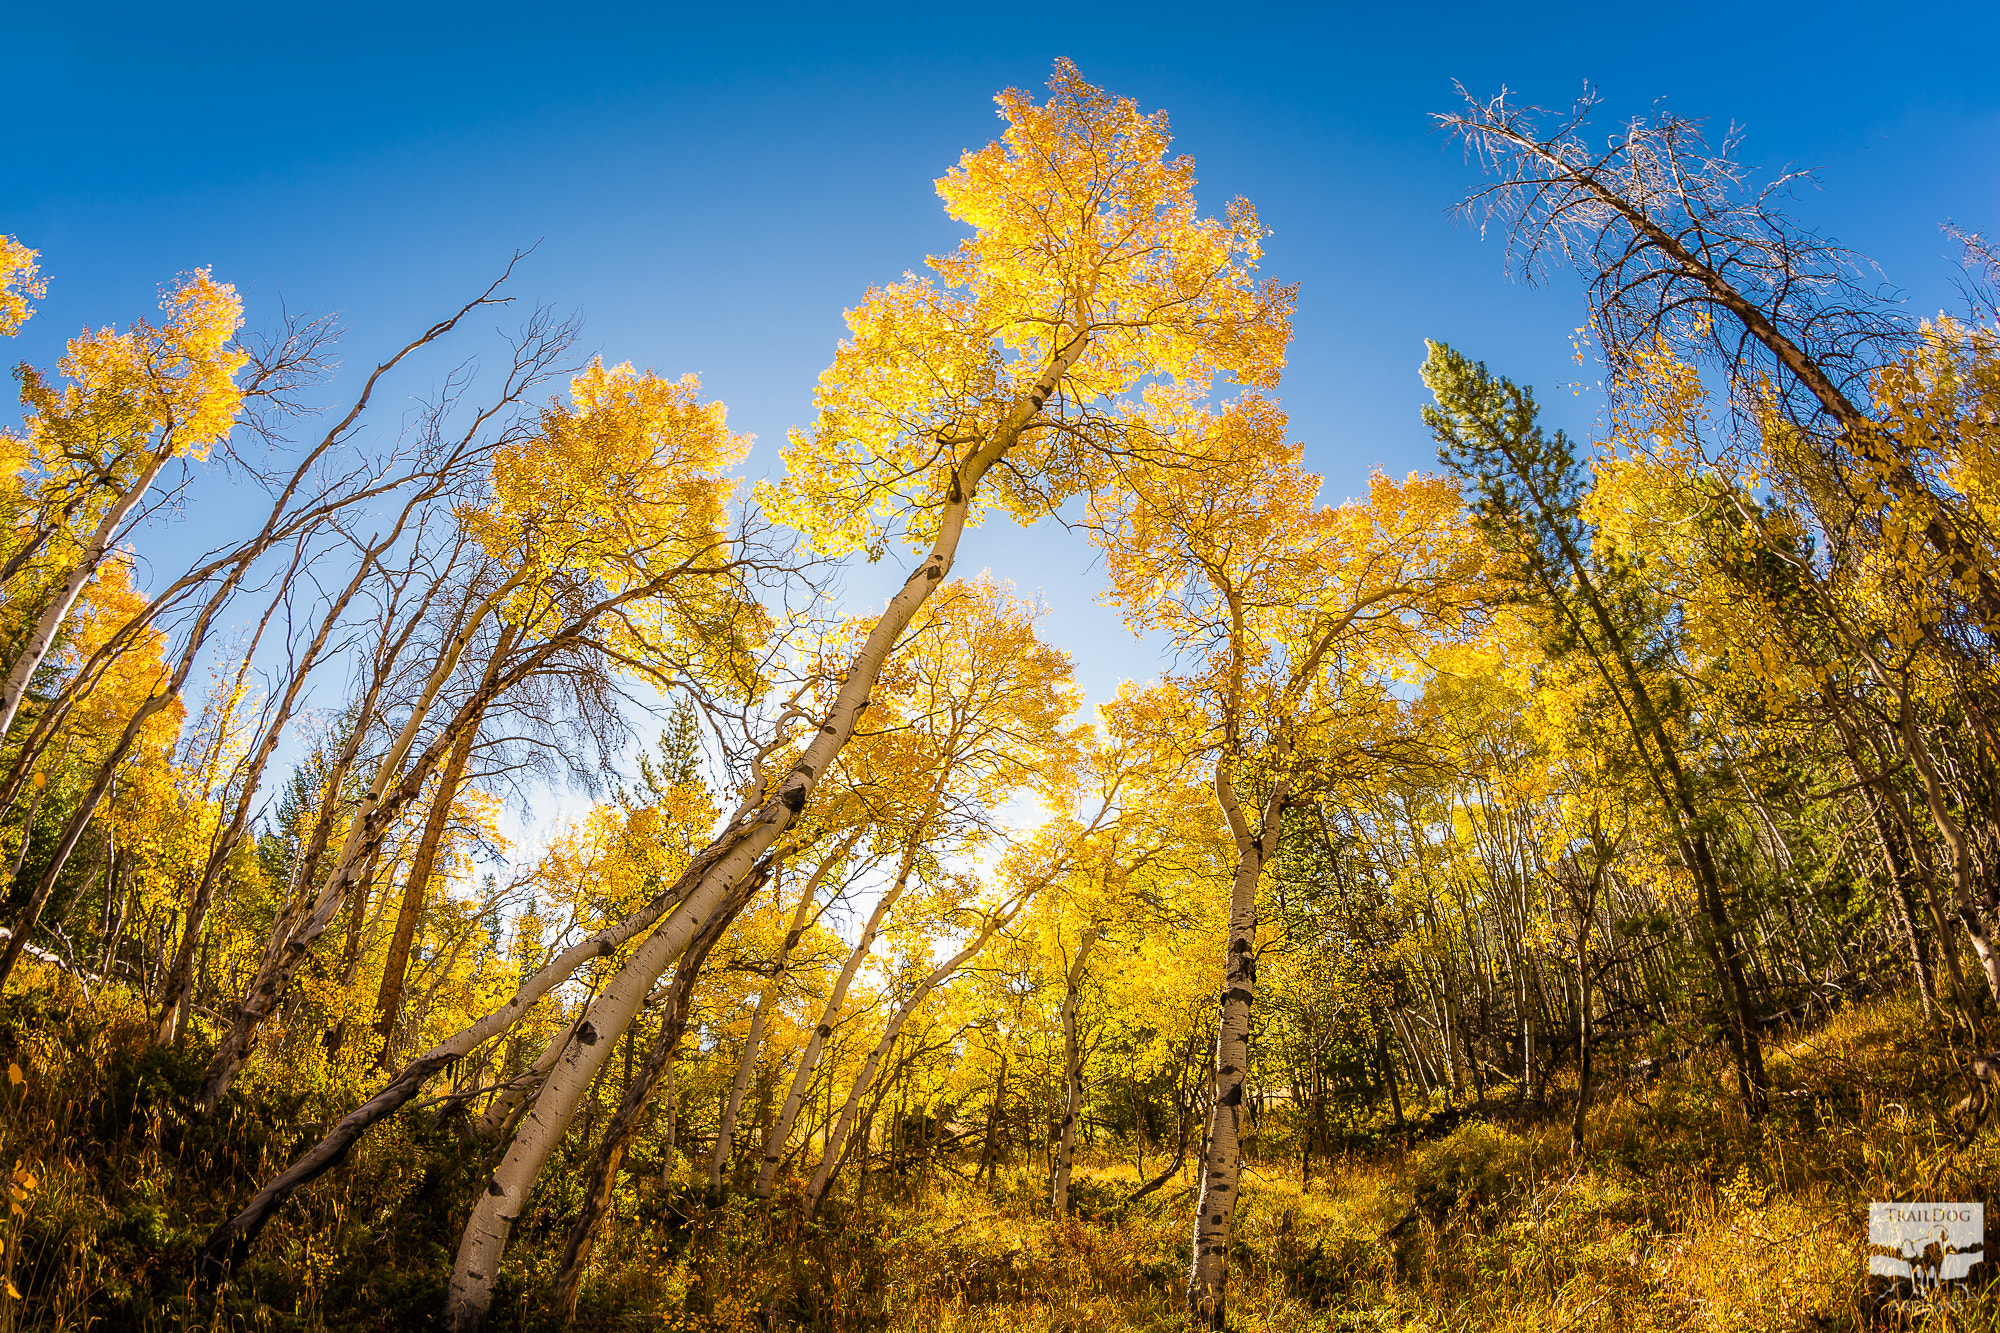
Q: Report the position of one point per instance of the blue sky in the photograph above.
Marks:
(711, 187)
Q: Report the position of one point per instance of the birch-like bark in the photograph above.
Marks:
(836, 1145)
(774, 1142)
(470, 1293)
(1072, 1077)
(746, 1064)
(1221, 1165)
(617, 1135)
(749, 836)
(497, 1120)
(230, 1242)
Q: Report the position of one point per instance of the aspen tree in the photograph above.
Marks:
(605, 533)
(1280, 604)
(135, 403)
(772, 1155)
(1088, 272)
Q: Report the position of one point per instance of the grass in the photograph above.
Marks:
(1674, 1216)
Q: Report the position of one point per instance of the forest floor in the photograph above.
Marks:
(1672, 1215)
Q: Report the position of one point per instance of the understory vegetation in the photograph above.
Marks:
(1555, 891)
(1670, 1216)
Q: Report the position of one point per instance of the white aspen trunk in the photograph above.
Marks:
(499, 1112)
(1221, 1165)
(49, 623)
(661, 1063)
(774, 1142)
(753, 832)
(470, 1293)
(830, 1159)
(746, 1065)
(227, 1245)
(1072, 1078)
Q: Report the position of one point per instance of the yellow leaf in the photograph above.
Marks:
(13, 1291)
(14, 1074)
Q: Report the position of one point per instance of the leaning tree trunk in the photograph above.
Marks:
(746, 1064)
(730, 856)
(774, 1142)
(496, 1122)
(752, 834)
(1221, 1164)
(618, 1134)
(829, 1161)
(1960, 847)
(229, 1243)
(180, 979)
(1901, 875)
(393, 791)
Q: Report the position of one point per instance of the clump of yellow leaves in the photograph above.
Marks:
(172, 387)
(17, 284)
(1089, 271)
(623, 478)
(622, 490)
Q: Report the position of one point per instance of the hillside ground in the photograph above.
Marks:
(1672, 1216)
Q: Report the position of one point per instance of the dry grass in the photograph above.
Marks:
(1672, 1218)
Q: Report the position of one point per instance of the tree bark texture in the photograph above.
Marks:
(1221, 1164)
(617, 1134)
